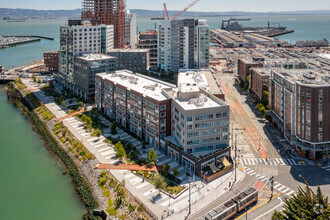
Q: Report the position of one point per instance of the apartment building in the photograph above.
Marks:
(85, 68)
(299, 101)
(148, 40)
(78, 38)
(244, 66)
(183, 44)
(186, 122)
(259, 81)
(130, 30)
(136, 60)
(136, 102)
(51, 61)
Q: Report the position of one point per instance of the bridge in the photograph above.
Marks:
(7, 78)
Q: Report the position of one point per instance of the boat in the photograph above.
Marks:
(157, 18)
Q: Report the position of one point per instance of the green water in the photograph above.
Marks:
(32, 185)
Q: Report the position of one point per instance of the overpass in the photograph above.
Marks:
(7, 78)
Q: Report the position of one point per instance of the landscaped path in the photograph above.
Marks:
(71, 115)
(128, 167)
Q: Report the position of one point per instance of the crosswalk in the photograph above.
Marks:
(273, 161)
(278, 186)
(327, 168)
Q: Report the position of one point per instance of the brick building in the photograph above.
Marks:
(51, 61)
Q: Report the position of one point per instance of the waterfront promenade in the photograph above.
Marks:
(162, 206)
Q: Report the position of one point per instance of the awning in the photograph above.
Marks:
(213, 167)
(226, 163)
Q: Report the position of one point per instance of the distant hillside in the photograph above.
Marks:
(29, 13)
(8, 12)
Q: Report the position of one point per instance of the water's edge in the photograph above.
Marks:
(69, 164)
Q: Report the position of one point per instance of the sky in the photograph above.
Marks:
(203, 5)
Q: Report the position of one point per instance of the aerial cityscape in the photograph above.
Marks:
(190, 109)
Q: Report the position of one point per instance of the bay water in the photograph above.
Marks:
(32, 184)
(31, 181)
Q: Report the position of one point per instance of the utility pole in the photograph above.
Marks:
(272, 186)
(235, 157)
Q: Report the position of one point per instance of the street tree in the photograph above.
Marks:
(160, 183)
(166, 168)
(121, 153)
(113, 128)
(152, 157)
(306, 205)
(175, 172)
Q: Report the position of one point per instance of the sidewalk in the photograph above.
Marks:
(201, 194)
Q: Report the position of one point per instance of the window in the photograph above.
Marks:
(204, 125)
(163, 107)
(189, 127)
(163, 114)
(192, 142)
(204, 117)
(193, 134)
(189, 118)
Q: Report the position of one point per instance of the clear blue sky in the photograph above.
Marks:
(203, 5)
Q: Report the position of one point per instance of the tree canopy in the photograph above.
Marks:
(306, 205)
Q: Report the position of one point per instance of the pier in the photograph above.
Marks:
(6, 42)
(32, 36)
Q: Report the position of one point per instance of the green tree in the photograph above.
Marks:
(152, 157)
(305, 205)
(80, 104)
(63, 103)
(175, 172)
(166, 168)
(87, 119)
(113, 128)
(34, 78)
(120, 150)
(160, 183)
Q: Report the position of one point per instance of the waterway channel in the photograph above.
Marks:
(32, 184)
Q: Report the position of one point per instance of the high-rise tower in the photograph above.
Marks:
(107, 12)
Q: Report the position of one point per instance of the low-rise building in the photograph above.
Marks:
(85, 69)
(259, 82)
(51, 61)
(299, 104)
(230, 40)
(136, 60)
(244, 67)
(1, 68)
(264, 40)
(312, 43)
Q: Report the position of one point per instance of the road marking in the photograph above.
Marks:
(287, 189)
(281, 188)
(290, 193)
(287, 162)
(251, 171)
(263, 179)
(258, 175)
(257, 207)
(277, 185)
(294, 162)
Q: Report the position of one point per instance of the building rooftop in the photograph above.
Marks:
(305, 76)
(194, 100)
(128, 50)
(95, 57)
(140, 83)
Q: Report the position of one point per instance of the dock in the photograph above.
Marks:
(278, 33)
(32, 36)
(6, 42)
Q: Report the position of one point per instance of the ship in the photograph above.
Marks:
(9, 19)
(157, 18)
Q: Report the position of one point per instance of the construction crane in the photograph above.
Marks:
(180, 12)
(165, 12)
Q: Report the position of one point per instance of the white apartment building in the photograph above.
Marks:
(130, 29)
(183, 44)
(79, 38)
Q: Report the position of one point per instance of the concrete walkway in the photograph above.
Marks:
(161, 204)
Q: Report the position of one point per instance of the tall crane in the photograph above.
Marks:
(180, 12)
